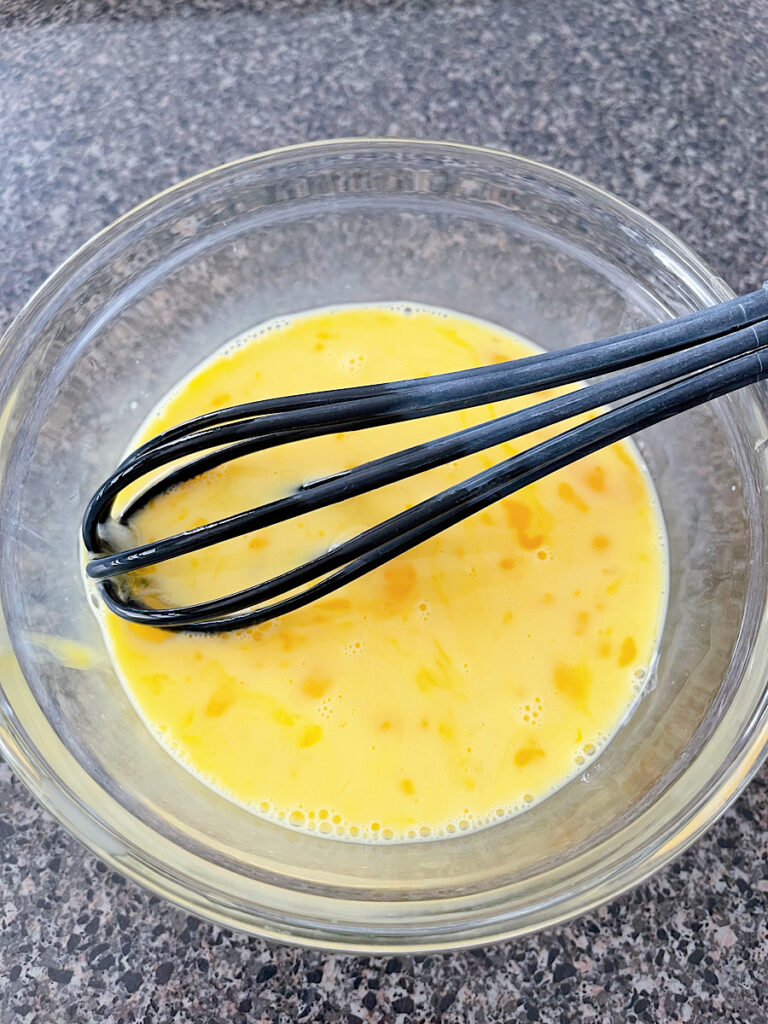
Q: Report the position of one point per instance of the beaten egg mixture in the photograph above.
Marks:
(446, 690)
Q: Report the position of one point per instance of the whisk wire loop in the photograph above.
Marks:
(669, 368)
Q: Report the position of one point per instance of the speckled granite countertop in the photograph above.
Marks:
(102, 104)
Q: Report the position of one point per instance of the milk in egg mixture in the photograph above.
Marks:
(449, 688)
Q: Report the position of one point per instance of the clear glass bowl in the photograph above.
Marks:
(481, 232)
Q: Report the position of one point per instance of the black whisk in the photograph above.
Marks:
(670, 367)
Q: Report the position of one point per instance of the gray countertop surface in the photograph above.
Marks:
(105, 103)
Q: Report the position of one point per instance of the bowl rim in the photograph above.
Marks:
(96, 834)
(340, 143)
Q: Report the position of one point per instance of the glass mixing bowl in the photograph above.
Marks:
(484, 233)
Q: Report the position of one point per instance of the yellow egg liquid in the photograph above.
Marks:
(452, 687)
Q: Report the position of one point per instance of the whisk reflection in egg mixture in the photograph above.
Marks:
(657, 372)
